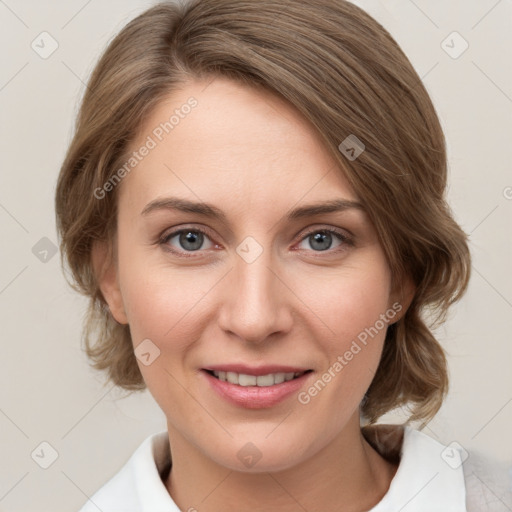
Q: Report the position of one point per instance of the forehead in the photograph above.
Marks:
(230, 144)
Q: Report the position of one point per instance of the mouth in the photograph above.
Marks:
(247, 380)
(263, 391)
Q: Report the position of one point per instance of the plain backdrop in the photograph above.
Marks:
(50, 395)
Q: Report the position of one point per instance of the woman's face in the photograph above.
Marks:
(255, 284)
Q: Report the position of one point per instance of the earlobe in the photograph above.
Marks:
(106, 274)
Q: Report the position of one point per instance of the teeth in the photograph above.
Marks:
(278, 378)
(232, 377)
(247, 380)
(243, 379)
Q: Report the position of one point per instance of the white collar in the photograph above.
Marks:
(424, 482)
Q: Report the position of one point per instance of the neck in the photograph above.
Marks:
(346, 472)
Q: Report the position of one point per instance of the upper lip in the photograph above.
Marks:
(256, 370)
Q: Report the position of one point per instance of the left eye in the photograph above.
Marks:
(321, 239)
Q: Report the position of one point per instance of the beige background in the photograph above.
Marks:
(48, 392)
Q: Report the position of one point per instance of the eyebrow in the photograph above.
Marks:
(211, 211)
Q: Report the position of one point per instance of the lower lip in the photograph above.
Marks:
(256, 397)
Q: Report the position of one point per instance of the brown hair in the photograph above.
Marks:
(345, 73)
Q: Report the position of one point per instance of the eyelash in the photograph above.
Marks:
(164, 239)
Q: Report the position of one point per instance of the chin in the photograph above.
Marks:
(259, 453)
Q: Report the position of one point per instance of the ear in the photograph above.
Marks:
(401, 296)
(105, 270)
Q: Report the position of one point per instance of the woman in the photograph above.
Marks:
(254, 201)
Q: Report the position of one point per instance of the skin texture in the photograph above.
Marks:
(252, 155)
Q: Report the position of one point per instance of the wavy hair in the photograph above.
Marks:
(346, 75)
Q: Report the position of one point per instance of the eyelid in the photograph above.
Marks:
(343, 233)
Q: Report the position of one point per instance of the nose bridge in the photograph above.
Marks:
(254, 306)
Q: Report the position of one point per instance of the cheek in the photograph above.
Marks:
(349, 308)
(164, 304)
(348, 301)
(167, 308)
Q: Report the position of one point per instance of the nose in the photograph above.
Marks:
(256, 302)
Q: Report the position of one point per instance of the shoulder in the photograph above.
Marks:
(139, 478)
(443, 476)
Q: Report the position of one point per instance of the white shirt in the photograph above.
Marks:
(429, 478)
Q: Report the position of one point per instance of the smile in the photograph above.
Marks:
(255, 391)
